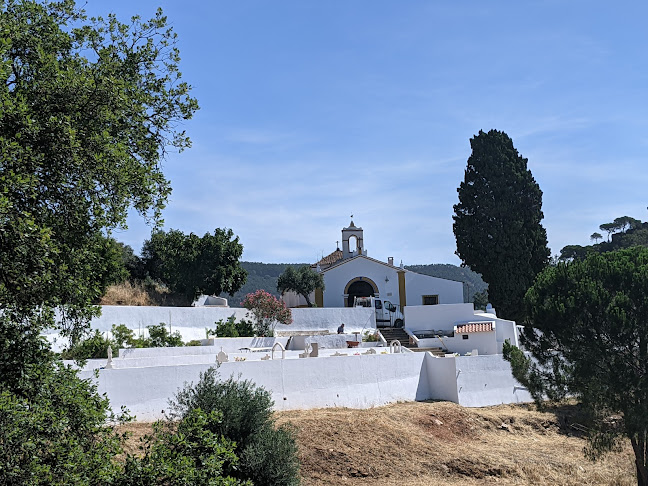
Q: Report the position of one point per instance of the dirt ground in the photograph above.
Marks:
(426, 442)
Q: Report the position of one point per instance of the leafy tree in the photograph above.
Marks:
(595, 237)
(587, 332)
(573, 252)
(191, 265)
(268, 454)
(58, 432)
(609, 228)
(89, 108)
(232, 328)
(302, 281)
(497, 221)
(186, 453)
(267, 311)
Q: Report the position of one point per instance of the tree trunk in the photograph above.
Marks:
(639, 448)
(308, 302)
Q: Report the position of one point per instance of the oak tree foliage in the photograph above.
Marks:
(89, 109)
(191, 265)
(497, 221)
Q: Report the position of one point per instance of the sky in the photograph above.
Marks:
(315, 110)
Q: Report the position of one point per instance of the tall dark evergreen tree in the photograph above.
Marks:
(497, 221)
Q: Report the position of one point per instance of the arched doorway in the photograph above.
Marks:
(359, 288)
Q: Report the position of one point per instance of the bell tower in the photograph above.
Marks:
(352, 241)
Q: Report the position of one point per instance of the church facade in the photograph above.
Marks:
(349, 273)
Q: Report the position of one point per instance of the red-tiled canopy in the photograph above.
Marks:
(475, 327)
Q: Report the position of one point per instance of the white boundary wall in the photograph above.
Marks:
(192, 321)
(474, 381)
(356, 381)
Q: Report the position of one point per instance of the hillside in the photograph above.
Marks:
(264, 276)
(423, 443)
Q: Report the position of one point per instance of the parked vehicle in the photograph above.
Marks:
(387, 314)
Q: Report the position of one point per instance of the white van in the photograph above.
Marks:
(387, 314)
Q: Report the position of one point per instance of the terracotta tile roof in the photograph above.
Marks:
(331, 259)
(475, 327)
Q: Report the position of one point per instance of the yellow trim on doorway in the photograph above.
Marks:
(319, 297)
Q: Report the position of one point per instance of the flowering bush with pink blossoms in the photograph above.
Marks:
(267, 311)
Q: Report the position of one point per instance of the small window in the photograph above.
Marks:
(378, 304)
(464, 336)
(430, 299)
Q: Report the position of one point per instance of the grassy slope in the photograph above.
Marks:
(442, 443)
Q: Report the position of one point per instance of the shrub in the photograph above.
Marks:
(57, 433)
(94, 346)
(231, 328)
(267, 310)
(160, 337)
(186, 453)
(268, 454)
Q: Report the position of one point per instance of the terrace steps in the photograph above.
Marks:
(398, 333)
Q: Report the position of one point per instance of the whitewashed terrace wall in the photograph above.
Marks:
(474, 381)
(192, 321)
(354, 381)
(362, 381)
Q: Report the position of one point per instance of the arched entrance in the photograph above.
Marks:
(359, 287)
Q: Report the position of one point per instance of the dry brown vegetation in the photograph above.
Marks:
(127, 293)
(423, 443)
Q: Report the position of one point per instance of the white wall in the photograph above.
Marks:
(353, 381)
(487, 380)
(417, 285)
(192, 321)
(484, 342)
(439, 317)
(445, 317)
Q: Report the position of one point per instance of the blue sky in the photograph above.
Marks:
(313, 110)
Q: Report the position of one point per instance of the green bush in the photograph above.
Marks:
(94, 346)
(268, 454)
(231, 328)
(57, 433)
(187, 453)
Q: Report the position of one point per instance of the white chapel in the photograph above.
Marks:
(350, 273)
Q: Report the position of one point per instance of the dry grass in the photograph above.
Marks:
(423, 443)
(126, 294)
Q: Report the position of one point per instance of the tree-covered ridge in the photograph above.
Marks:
(261, 276)
(264, 276)
(623, 232)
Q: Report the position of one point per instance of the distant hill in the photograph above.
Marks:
(264, 276)
(261, 276)
(472, 280)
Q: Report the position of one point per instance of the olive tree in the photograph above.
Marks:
(302, 281)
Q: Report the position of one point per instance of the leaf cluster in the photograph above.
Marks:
(588, 334)
(190, 265)
(302, 281)
(268, 454)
